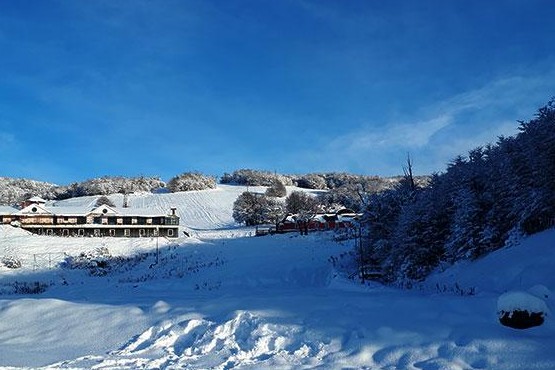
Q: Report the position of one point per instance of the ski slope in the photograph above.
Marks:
(203, 212)
(223, 300)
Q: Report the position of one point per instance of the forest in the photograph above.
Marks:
(484, 201)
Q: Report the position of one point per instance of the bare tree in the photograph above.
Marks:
(407, 171)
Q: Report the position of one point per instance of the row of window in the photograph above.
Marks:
(111, 232)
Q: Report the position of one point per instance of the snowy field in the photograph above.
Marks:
(222, 300)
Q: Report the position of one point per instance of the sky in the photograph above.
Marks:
(158, 88)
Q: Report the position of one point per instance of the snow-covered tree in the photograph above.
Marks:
(312, 181)
(277, 190)
(249, 177)
(256, 209)
(303, 206)
(191, 181)
(104, 200)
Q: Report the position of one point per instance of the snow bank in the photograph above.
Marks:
(515, 268)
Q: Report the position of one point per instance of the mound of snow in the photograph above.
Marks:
(540, 291)
(521, 310)
(244, 340)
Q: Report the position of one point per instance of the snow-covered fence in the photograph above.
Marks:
(42, 260)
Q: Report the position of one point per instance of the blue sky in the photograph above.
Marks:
(93, 88)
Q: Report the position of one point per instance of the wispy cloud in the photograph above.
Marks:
(437, 133)
(406, 135)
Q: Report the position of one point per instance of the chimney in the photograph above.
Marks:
(173, 209)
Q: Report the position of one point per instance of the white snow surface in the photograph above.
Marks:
(223, 300)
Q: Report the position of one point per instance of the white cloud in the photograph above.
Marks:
(437, 133)
(393, 135)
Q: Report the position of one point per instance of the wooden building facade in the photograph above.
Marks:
(100, 221)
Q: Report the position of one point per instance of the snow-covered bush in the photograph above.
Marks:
(277, 190)
(11, 262)
(23, 287)
(191, 181)
(521, 310)
(96, 261)
(99, 262)
(254, 178)
(312, 181)
(35, 287)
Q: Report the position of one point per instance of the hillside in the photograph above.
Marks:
(202, 211)
(222, 300)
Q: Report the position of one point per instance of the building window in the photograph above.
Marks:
(34, 209)
(96, 232)
(65, 232)
(112, 232)
(141, 232)
(126, 232)
(81, 232)
(49, 232)
(170, 232)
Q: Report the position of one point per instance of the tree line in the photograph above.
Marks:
(342, 187)
(484, 201)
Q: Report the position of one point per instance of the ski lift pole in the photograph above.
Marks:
(157, 249)
(358, 239)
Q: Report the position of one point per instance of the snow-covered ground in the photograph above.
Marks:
(223, 300)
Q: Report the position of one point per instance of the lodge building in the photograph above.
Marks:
(38, 218)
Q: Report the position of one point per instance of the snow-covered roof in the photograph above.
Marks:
(39, 209)
(104, 210)
(7, 210)
(69, 211)
(347, 217)
(34, 209)
(36, 199)
(145, 212)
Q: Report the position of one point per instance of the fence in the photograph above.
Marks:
(38, 261)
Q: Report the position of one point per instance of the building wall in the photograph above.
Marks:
(36, 219)
(97, 226)
(91, 231)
